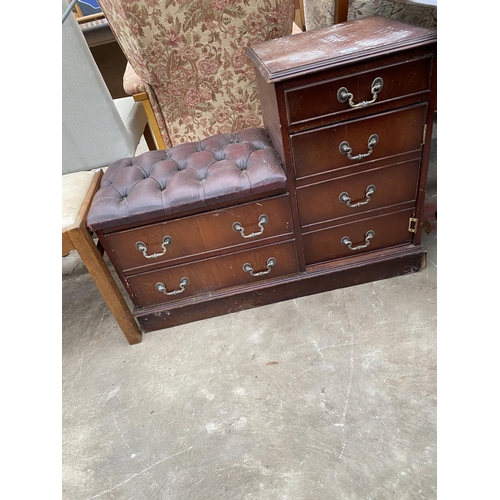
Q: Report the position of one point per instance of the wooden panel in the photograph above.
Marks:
(303, 103)
(270, 113)
(394, 184)
(375, 266)
(335, 46)
(195, 235)
(398, 131)
(215, 273)
(341, 10)
(325, 245)
(298, 78)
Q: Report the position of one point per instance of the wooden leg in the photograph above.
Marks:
(341, 11)
(150, 141)
(155, 129)
(298, 5)
(97, 268)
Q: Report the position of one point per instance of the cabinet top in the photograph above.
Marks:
(311, 51)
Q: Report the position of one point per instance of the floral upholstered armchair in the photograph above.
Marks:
(189, 58)
(322, 13)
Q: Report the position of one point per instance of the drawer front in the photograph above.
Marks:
(322, 99)
(207, 275)
(202, 233)
(364, 236)
(396, 132)
(357, 193)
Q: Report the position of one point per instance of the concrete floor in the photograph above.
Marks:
(331, 396)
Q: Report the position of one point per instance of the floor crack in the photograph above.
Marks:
(133, 476)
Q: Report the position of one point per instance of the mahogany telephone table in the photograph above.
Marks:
(328, 194)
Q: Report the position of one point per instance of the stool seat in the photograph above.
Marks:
(75, 188)
(222, 169)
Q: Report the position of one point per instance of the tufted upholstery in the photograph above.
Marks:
(220, 169)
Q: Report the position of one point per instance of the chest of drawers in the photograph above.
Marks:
(349, 110)
(192, 257)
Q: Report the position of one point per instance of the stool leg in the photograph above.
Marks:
(98, 270)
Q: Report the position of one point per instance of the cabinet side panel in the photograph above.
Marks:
(274, 114)
(427, 140)
(270, 113)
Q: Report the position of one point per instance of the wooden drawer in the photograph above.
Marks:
(321, 98)
(388, 231)
(197, 234)
(398, 132)
(210, 274)
(328, 200)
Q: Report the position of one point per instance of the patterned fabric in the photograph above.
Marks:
(132, 82)
(192, 53)
(319, 13)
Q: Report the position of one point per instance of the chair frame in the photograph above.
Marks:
(155, 139)
(78, 237)
(341, 11)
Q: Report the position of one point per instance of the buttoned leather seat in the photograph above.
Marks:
(222, 169)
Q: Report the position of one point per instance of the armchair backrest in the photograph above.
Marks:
(322, 13)
(93, 133)
(193, 54)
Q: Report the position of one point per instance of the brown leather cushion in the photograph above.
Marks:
(222, 169)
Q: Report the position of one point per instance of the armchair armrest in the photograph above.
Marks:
(134, 85)
(132, 82)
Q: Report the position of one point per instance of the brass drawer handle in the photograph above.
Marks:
(263, 220)
(182, 286)
(167, 241)
(344, 148)
(343, 94)
(345, 198)
(270, 263)
(348, 243)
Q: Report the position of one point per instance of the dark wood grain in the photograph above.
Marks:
(394, 183)
(390, 230)
(298, 78)
(376, 266)
(303, 103)
(311, 51)
(207, 275)
(195, 236)
(398, 131)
